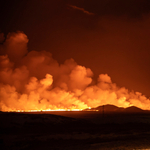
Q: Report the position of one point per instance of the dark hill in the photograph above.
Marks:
(109, 108)
(113, 108)
(133, 109)
(106, 108)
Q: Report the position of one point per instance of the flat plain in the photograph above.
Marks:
(74, 130)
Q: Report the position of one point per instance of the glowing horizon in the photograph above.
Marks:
(35, 81)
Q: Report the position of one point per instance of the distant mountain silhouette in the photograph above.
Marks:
(133, 109)
(106, 108)
(109, 108)
(113, 108)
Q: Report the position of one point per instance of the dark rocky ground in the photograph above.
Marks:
(74, 131)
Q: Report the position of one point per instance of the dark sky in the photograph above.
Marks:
(108, 36)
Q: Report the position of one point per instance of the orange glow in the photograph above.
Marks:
(44, 110)
(41, 84)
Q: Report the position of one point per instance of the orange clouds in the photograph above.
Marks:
(41, 83)
(16, 45)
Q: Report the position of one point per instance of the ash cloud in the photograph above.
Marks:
(15, 46)
(39, 82)
(2, 37)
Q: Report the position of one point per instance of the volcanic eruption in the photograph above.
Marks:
(35, 81)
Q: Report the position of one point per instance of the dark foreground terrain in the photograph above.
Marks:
(87, 130)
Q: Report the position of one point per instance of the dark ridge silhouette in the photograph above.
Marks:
(106, 108)
(109, 108)
(133, 109)
(113, 108)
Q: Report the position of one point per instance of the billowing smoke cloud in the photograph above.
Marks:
(39, 82)
(1, 37)
(16, 46)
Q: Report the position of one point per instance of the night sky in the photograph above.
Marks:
(108, 36)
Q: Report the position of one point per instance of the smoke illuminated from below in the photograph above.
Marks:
(34, 81)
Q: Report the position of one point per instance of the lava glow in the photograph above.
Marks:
(45, 110)
(34, 81)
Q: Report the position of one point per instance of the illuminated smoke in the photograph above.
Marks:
(40, 83)
(16, 46)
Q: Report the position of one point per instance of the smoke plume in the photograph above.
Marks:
(35, 81)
